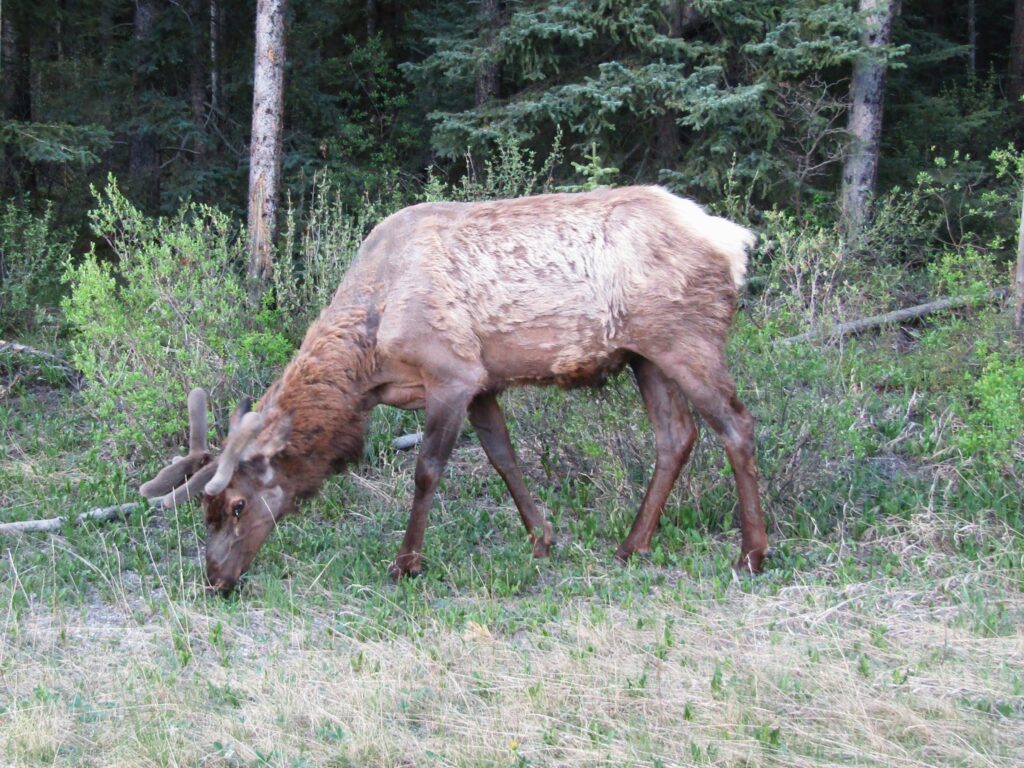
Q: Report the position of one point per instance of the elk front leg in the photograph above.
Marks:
(486, 417)
(446, 410)
(674, 434)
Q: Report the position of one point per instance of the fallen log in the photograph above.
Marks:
(38, 357)
(116, 512)
(898, 316)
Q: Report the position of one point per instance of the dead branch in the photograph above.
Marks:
(898, 316)
(12, 348)
(116, 512)
(405, 442)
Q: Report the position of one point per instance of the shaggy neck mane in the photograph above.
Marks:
(322, 390)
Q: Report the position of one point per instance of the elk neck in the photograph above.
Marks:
(323, 392)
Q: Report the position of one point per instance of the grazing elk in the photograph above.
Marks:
(448, 304)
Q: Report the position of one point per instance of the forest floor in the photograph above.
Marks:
(887, 629)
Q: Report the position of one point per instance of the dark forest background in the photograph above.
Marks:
(695, 95)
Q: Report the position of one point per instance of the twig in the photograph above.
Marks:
(867, 323)
(405, 442)
(56, 523)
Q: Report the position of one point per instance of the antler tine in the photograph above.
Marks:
(183, 467)
(238, 439)
(198, 426)
(190, 489)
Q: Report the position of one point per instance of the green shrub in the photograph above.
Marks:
(317, 247)
(993, 428)
(31, 252)
(167, 313)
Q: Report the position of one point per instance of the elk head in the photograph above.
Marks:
(242, 491)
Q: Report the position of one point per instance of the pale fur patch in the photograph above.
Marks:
(556, 277)
(271, 498)
(727, 238)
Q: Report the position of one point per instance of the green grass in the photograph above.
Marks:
(885, 630)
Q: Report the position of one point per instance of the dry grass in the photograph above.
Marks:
(872, 673)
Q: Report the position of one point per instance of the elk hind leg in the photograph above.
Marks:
(706, 383)
(675, 435)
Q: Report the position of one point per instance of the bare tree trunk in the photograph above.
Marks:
(216, 27)
(867, 93)
(267, 129)
(197, 80)
(1018, 317)
(488, 74)
(1015, 81)
(143, 147)
(972, 39)
(15, 90)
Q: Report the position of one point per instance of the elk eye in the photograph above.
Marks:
(237, 507)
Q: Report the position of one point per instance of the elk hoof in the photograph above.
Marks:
(623, 555)
(542, 548)
(404, 568)
(752, 562)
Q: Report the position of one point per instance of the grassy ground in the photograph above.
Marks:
(886, 631)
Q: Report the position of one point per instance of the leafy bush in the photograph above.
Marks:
(168, 313)
(317, 247)
(993, 429)
(31, 252)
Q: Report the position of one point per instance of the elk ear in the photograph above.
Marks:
(243, 407)
(274, 440)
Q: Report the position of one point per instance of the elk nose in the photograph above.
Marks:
(221, 585)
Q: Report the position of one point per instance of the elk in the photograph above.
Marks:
(448, 304)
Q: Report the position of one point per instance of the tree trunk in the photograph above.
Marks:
(488, 74)
(867, 94)
(1018, 317)
(1015, 81)
(15, 90)
(197, 81)
(143, 146)
(265, 146)
(216, 30)
(972, 39)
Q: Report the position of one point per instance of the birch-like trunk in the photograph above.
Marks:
(267, 128)
(216, 27)
(867, 96)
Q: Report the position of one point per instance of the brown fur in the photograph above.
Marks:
(448, 304)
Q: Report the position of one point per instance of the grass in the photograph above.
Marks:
(886, 630)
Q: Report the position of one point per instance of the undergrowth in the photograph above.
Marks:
(891, 466)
